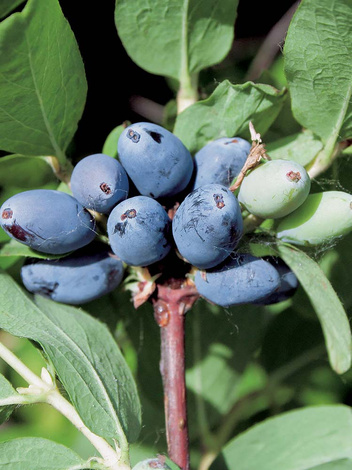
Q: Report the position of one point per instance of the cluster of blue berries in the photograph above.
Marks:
(158, 201)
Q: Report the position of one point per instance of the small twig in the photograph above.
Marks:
(170, 305)
(147, 108)
(271, 45)
(256, 154)
(13, 361)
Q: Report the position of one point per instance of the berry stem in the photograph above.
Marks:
(61, 167)
(170, 305)
(187, 93)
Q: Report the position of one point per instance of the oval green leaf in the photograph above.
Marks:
(85, 356)
(43, 85)
(297, 440)
(176, 38)
(35, 453)
(318, 67)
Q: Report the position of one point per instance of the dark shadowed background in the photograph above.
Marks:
(113, 79)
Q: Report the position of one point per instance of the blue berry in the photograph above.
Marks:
(207, 226)
(48, 221)
(156, 160)
(288, 282)
(220, 161)
(240, 279)
(99, 182)
(78, 278)
(139, 231)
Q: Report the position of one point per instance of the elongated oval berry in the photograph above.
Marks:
(322, 218)
(288, 282)
(274, 189)
(76, 279)
(240, 279)
(99, 182)
(48, 221)
(156, 160)
(220, 161)
(139, 231)
(207, 226)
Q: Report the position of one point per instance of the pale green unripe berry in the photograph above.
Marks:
(150, 464)
(322, 218)
(274, 189)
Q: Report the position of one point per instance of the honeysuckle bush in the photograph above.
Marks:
(253, 373)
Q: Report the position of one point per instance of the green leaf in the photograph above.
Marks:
(6, 6)
(296, 440)
(20, 171)
(227, 112)
(176, 37)
(34, 453)
(301, 147)
(110, 144)
(327, 305)
(6, 392)
(42, 82)
(85, 355)
(318, 67)
(15, 248)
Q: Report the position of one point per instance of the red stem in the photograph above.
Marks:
(170, 306)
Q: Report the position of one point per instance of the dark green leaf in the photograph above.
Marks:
(34, 453)
(219, 346)
(212, 348)
(7, 6)
(85, 356)
(175, 38)
(227, 112)
(42, 83)
(327, 305)
(292, 347)
(297, 440)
